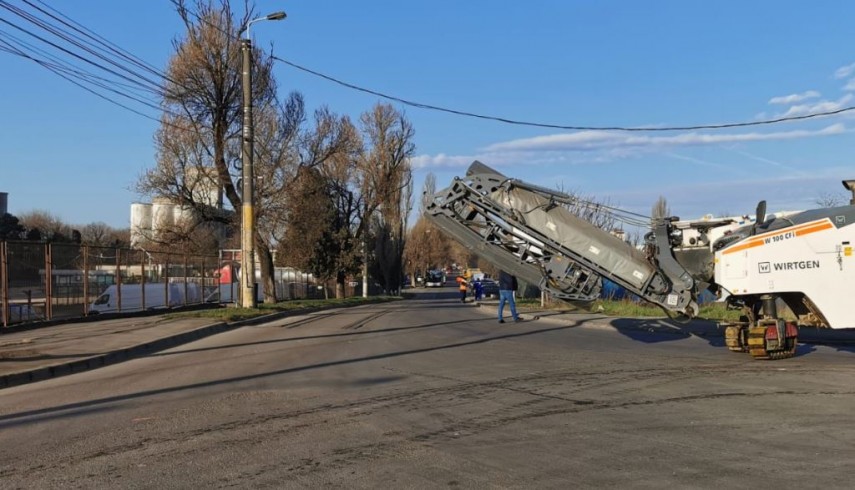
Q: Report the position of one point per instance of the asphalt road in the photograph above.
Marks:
(430, 393)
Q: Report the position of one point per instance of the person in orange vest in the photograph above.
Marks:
(463, 286)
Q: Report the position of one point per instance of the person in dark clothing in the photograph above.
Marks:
(507, 286)
(479, 289)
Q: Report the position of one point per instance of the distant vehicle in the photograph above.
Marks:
(435, 279)
(490, 287)
(473, 273)
(22, 312)
(157, 295)
(228, 293)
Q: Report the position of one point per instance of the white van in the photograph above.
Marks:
(230, 293)
(157, 295)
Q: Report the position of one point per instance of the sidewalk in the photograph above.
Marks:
(46, 352)
(57, 350)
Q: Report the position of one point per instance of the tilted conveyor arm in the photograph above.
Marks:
(523, 229)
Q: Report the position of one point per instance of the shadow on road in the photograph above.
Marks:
(656, 330)
(34, 416)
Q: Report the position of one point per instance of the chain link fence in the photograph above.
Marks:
(51, 281)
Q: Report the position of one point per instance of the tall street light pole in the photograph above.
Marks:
(248, 296)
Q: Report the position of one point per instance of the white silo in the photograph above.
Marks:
(182, 215)
(204, 186)
(141, 224)
(162, 215)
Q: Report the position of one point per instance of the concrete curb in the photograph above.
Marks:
(113, 357)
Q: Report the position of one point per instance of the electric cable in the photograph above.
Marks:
(57, 65)
(421, 105)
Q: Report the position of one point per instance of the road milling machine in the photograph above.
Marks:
(802, 261)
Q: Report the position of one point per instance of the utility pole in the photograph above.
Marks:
(364, 266)
(248, 287)
(248, 298)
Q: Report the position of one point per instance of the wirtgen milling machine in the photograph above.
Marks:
(803, 260)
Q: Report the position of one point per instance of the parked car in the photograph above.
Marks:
(435, 279)
(490, 288)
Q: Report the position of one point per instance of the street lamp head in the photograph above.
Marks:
(274, 16)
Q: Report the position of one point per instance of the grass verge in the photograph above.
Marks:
(632, 309)
(233, 314)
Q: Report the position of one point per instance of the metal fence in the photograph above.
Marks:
(50, 281)
(53, 281)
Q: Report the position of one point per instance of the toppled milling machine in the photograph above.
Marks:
(803, 260)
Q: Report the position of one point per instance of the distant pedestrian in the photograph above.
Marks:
(507, 286)
(461, 281)
(479, 289)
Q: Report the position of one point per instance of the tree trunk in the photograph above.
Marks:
(265, 258)
(339, 285)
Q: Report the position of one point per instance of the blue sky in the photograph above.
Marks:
(602, 63)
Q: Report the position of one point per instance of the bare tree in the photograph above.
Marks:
(660, 209)
(417, 249)
(390, 240)
(387, 185)
(43, 225)
(199, 138)
(96, 233)
(428, 191)
(103, 235)
(366, 179)
(830, 200)
(322, 208)
(427, 247)
(593, 210)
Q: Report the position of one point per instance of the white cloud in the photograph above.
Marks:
(504, 159)
(821, 106)
(793, 98)
(440, 160)
(580, 140)
(597, 140)
(596, 147)
(850, 85)
(844, 71)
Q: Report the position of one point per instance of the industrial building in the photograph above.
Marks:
(151, 221)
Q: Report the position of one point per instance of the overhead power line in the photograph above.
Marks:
(421, 105)
(121, 75)
(129, 78)
(123, 54)
(458, 112)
